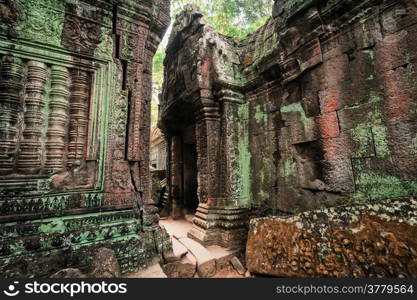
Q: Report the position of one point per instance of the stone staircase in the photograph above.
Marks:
(190, 259)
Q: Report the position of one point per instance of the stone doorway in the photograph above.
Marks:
(190, 179)
(189, 171)
(201, 180)
(183, 175)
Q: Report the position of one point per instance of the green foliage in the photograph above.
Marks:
(158, 79)
(235, 18)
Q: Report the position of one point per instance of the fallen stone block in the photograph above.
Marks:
(105, 264)
(369, 240)
(222, 255)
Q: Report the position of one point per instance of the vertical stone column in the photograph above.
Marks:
(58, 119)
(218, 221)
(79, 107)
(11, 75)
(398, 76)
(235, 141)
(30, 156)
(208, 138)
(177, 177)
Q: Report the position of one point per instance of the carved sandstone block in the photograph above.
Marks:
(373, 240)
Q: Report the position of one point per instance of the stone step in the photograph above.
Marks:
(185, 268)
(206, 263)
(223, 256)
(198, 261)
(179, 251)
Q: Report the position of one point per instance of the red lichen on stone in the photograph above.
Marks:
(329, 125)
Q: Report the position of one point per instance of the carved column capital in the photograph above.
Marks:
(230, 95)
(207, 109)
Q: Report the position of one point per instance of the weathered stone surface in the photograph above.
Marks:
(237, 265)
(206, 263)
(105, 264)
(178, 251)
(184, 268)
(69, 273)
(153, 271)
(373, 240)
(315, 109)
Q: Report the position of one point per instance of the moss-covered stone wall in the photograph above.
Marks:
(75, 81)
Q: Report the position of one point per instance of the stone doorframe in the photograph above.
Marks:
(222, 215)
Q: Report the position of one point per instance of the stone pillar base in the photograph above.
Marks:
(226, 227)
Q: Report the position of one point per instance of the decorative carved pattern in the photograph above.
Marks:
(79, 106)
(30, 157)
(11, 75)
(136, 118)
(119, 116)
(58, 118)
(81, 35)
(42, 21)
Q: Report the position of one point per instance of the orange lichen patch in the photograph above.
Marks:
(330, 100)
(247, 60)
(370, 247)
(329, 125)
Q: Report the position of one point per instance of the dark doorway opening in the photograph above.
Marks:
(190, 171)
(190, 178)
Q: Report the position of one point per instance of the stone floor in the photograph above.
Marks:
(179, 228)
(192, 260)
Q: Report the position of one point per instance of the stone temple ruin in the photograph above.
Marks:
(297, 144)
(311, 119)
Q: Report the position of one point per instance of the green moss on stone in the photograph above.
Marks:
(56, 225)
(296, 108)
(260, 115)
(378, 186)
(414, 144)
(43, 21)
(363, 138)
(381, 141)
(244, 155)
(288, 168)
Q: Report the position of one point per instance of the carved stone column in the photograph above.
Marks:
(11, 75)
(79, 107)
(207, 135)
(30, 157)
(218, 220)
(235, 141)
(58, 119)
